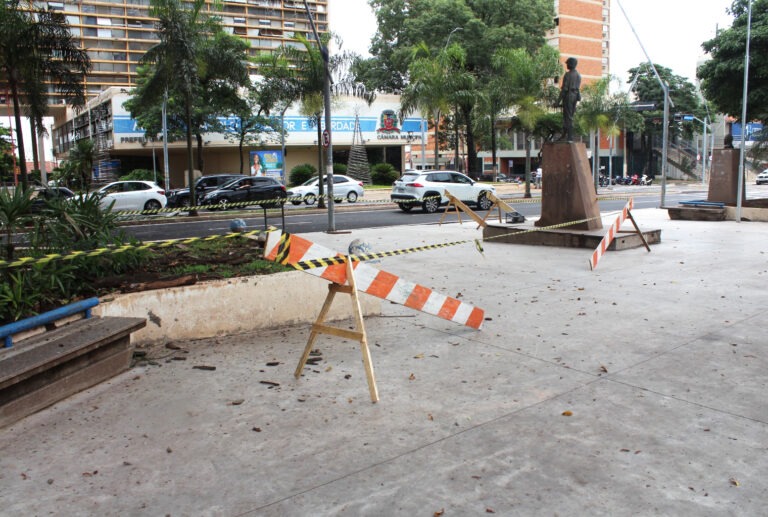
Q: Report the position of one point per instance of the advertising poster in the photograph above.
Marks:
(267, 163)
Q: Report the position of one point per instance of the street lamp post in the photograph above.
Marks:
(327, 142)
(744, 117)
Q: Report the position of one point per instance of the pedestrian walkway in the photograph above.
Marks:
(635, 389)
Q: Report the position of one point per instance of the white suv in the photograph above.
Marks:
(427, 188)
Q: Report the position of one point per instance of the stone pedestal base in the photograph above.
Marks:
(568, 192)
(724, 181)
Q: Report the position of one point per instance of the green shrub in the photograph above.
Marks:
(142, 175)
(302, 173)
(383, 174)
(339, 168)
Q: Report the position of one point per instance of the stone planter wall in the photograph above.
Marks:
(231, 306)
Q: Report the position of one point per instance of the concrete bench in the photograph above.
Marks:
(49, 367)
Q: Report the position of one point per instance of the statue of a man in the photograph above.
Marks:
(569, 96)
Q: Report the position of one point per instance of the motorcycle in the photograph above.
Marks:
(635, 180)
(645, 180)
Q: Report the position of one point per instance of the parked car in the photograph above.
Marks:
(500, 177)
(247, 189)
(762, 178)
(344, 187)
(45, 195)
(427, 188)
(132, 195)
(180, 197)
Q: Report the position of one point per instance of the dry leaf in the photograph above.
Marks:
(418, 356)
(603, 369)
(489, 510)
(412, 377)
(236, 402)
(328, 369)
(440, 512)
(735, 482)
(430, 417)
(567, 413)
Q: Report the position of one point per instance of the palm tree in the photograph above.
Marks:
(301, 71)
(81, 162)
(175, 60)
(595, 115)
(428, 89)
(528, 78)
(36, 48)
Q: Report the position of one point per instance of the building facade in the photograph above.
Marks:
(374, 128)
(117, 33)
(582, 30)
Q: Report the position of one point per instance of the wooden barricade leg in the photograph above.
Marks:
(319, 327)
(640, 233)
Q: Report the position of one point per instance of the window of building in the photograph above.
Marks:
(56, 6)
(240, 31)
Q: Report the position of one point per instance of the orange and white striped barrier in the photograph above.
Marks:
(290, 249)
(612, 231)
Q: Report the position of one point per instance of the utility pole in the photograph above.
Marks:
(327, 142)
(742, 150)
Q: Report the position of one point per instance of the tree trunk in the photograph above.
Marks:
(471, 151)
(200, 163)
(190, 162)
(320, 175)
(437, 141)
(19, 135)
(33, 134)
(456, 144)
(527, 137)
(240, 147)
(494, 168)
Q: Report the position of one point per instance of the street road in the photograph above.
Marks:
(362, 215)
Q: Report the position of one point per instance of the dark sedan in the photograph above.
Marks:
(264, 191)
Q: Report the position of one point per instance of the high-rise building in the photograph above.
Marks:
(117, 33)
(583, 29)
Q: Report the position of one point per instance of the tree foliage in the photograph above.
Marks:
(722, 77)
(530, 90)
(198, 66)
(37, 49)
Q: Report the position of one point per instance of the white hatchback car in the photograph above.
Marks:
(132, 195)
(344, 187)
(427, 188)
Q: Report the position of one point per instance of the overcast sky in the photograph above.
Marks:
(671, 31)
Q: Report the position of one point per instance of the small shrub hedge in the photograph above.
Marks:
(383, 174)
(301, 173)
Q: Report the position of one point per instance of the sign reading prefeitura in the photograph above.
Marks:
(379, 122)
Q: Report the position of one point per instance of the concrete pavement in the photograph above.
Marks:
(635, 389)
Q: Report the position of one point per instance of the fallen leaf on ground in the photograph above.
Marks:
(567, 413)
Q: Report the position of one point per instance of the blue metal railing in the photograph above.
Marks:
(8, 331)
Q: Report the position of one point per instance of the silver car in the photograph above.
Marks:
(344, 187)
(427, 189)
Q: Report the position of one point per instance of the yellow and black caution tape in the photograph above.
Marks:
(277, 202)
(284, 248)
(112, 250)
(27, 261)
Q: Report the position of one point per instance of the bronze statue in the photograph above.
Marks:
(569, 96)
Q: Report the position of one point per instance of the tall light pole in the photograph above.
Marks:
(744, 116)
(667, 103)
(327, 142)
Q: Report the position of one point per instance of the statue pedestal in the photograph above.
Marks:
(568, 192)
(724, 179)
